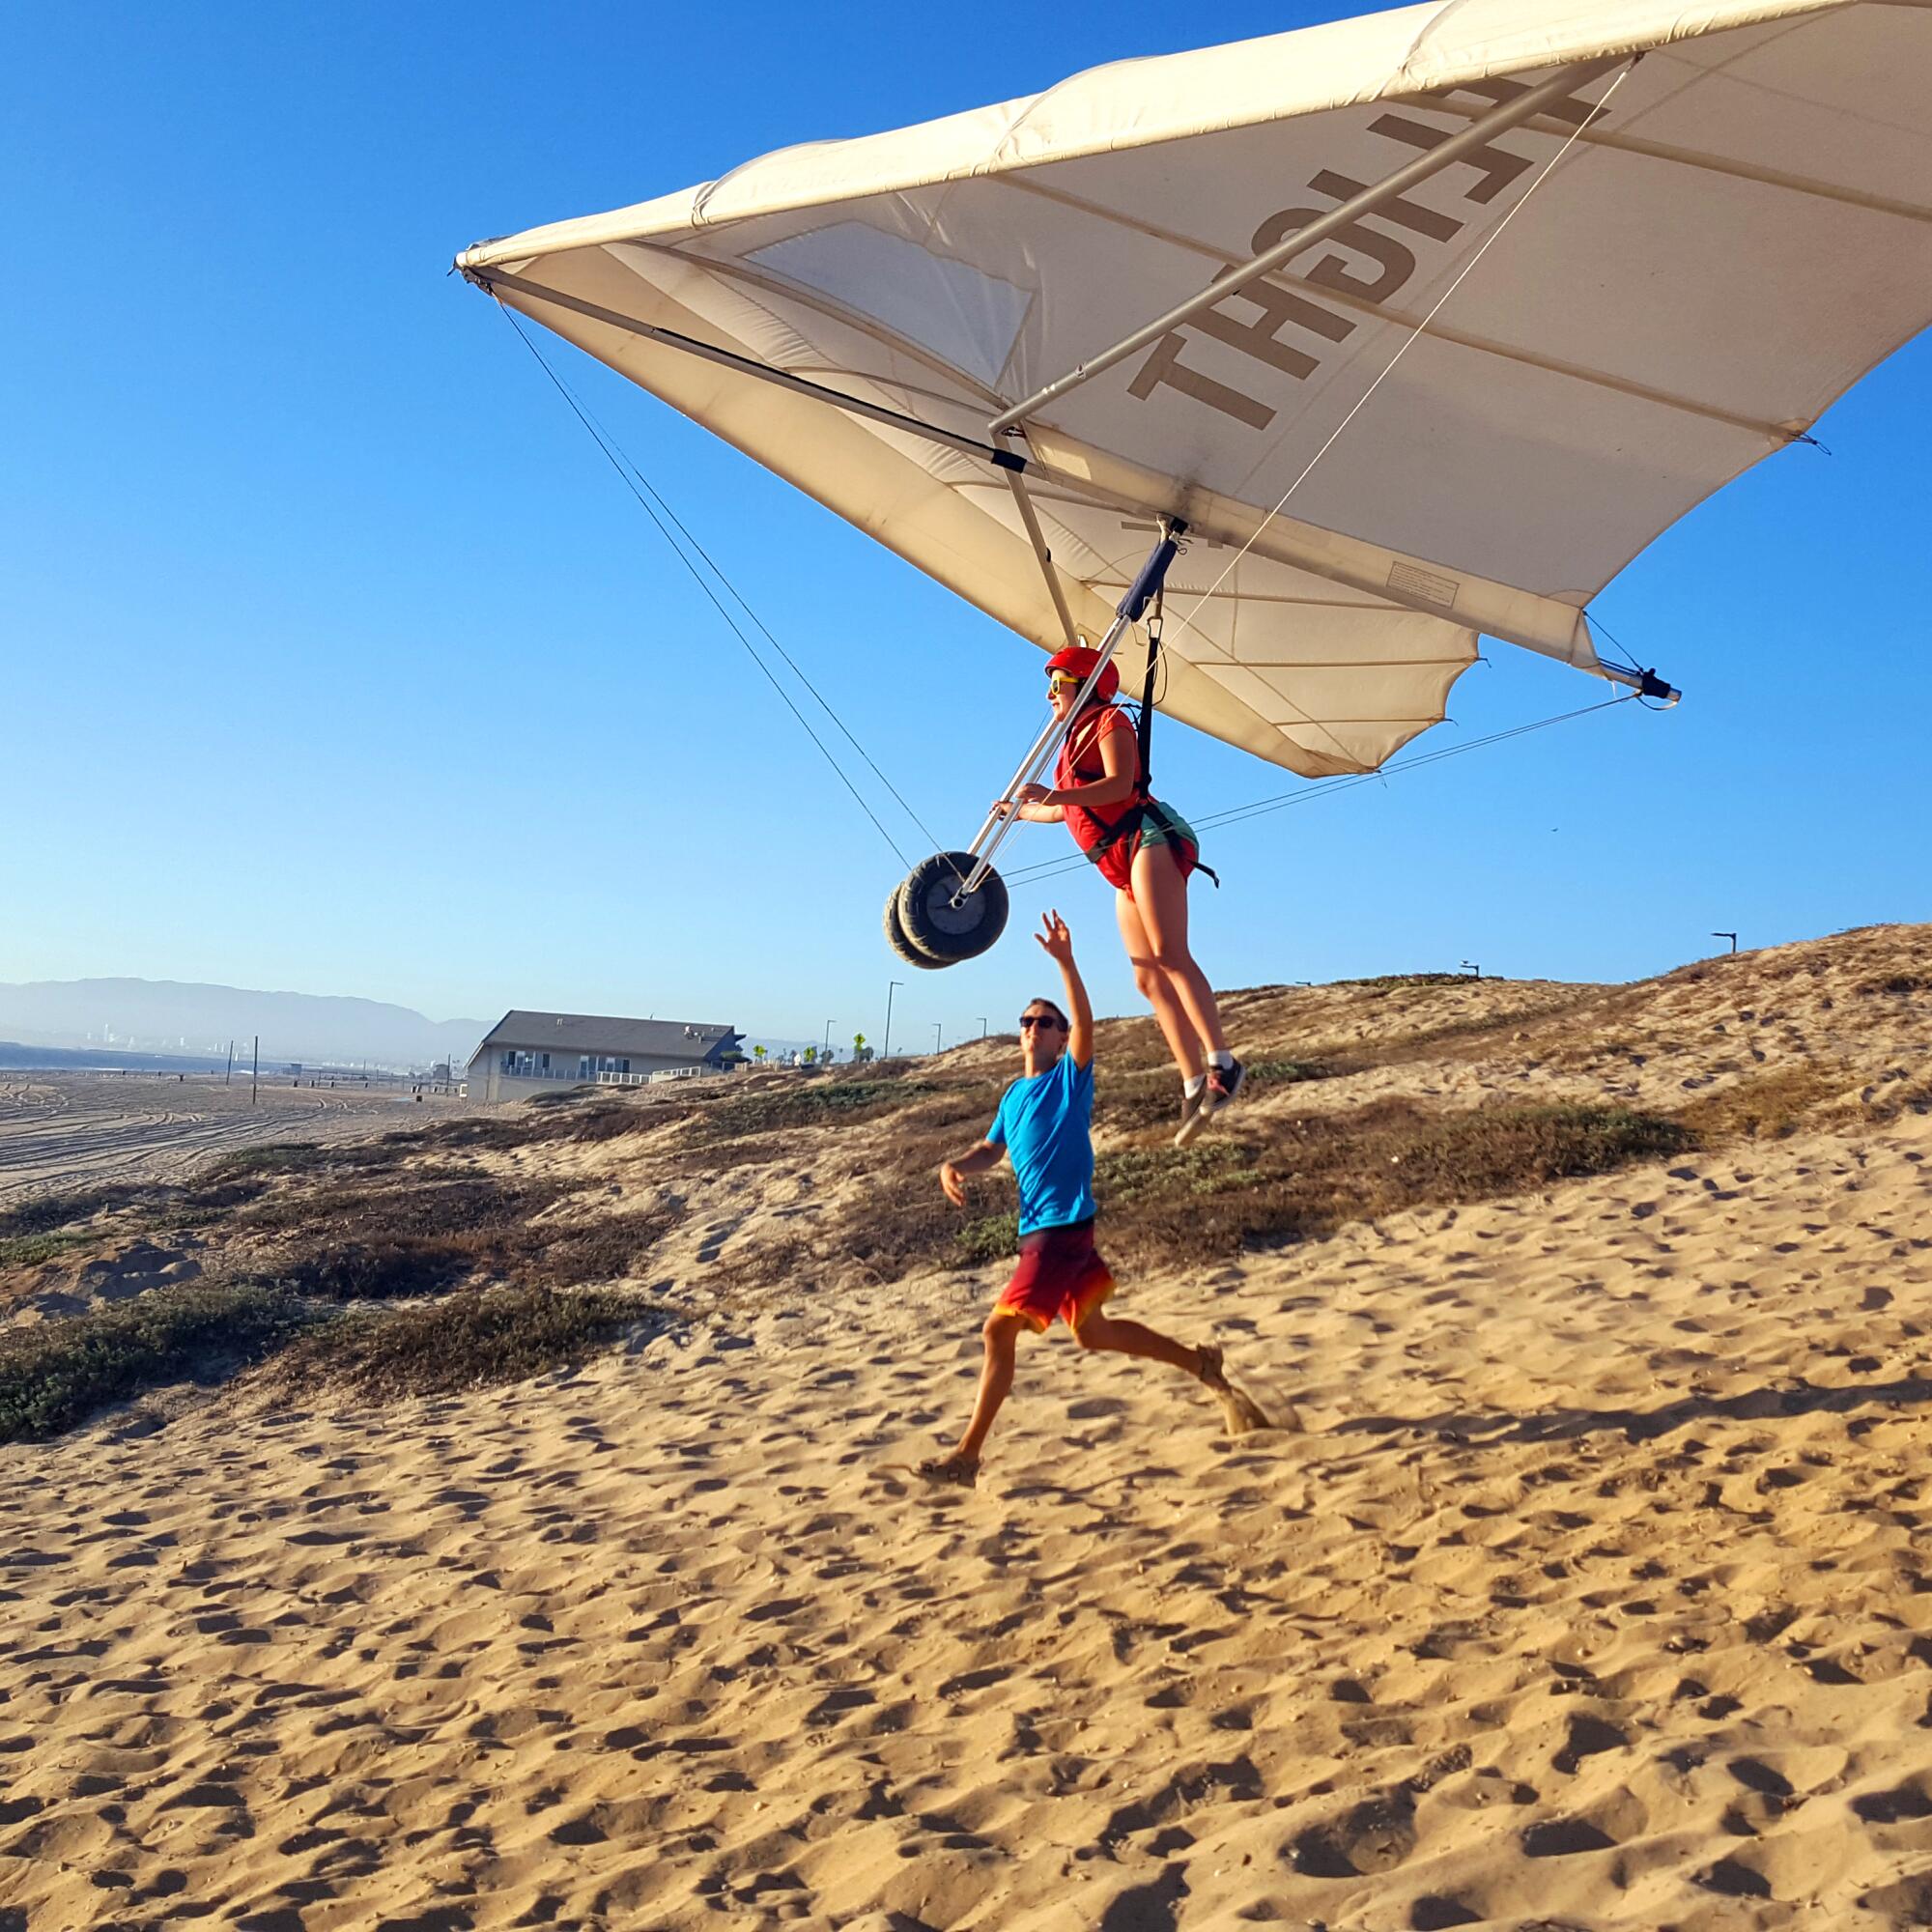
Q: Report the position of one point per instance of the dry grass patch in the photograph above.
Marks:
(1129, 1102)
(605, 1121)
(1895, 1095)
(438, 1201)
(1315, 1174)
(360, 1244)
(50, 1212)
(1767, 1106)
(753, 1269)
(1469, 1036)
(807, 1103)
(469, 1341)
(1393, 983)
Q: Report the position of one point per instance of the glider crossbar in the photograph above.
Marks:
(491, 281)
(1639, 682)
(1128, 612)
(1526, 106)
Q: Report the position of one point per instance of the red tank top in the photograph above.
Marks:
(1080, 763)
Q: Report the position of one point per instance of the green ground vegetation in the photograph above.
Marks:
(57, 1373)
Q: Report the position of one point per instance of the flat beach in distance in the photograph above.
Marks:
(65, 1130)
(1594, 1593)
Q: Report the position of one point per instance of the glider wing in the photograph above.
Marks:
(1742, 233)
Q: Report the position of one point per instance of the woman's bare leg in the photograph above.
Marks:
(1182, 1036)
(1160, 908)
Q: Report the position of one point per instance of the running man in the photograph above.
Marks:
(1147, 852)
(1044, 1123)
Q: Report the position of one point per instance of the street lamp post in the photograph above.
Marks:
(982, 1025)
(886, 1052)
(828, 1035)
(936, 1024)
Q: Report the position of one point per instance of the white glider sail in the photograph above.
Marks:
(1741, 232)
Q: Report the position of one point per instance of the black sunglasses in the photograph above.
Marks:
(1039, 1020)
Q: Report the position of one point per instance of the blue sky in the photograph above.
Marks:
(337, 660)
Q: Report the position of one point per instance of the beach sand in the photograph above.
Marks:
(69, 1130)
(1595, 1594)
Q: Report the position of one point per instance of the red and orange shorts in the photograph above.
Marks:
(1060, 1274)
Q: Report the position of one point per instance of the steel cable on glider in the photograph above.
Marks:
(1342, 782)
(1414, 336)
(632, 478)
(739, 598)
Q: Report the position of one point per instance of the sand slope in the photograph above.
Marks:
(1594, 1597)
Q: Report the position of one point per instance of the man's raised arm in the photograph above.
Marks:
(1056, 943)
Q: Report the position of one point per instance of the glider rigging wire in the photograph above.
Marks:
(1407, 343)
(1345, 782)
(645, 492)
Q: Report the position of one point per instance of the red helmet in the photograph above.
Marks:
(1080, 660)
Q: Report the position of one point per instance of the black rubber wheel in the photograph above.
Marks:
(938, 922)
(896, 938)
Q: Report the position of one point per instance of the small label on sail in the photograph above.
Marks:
(1423, 584)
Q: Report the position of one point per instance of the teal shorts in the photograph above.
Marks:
(1155, 832)
(1116, 860)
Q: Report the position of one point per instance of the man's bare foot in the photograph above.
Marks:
(953, 1470)
(1239, 1411)
(1243, 1416)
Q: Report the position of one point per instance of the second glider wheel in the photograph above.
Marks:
(939, 921)
(896, 939)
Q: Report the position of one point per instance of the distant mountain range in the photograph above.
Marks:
(171, 1016)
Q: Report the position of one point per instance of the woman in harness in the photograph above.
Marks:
(1144, 851)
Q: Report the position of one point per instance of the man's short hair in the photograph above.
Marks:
(1053, 1006)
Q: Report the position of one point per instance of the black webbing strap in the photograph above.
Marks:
(1145, 731)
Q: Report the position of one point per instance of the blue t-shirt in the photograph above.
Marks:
(1046, 1125)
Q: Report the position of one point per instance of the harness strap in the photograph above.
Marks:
(1128, 826)
(1144, 805)
(1144, 728)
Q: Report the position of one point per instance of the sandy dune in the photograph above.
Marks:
(1596, 1596)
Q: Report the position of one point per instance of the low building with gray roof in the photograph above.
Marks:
(527, 1053)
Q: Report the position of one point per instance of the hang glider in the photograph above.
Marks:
(1009, 344)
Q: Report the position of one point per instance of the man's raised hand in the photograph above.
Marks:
(1054, 939)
